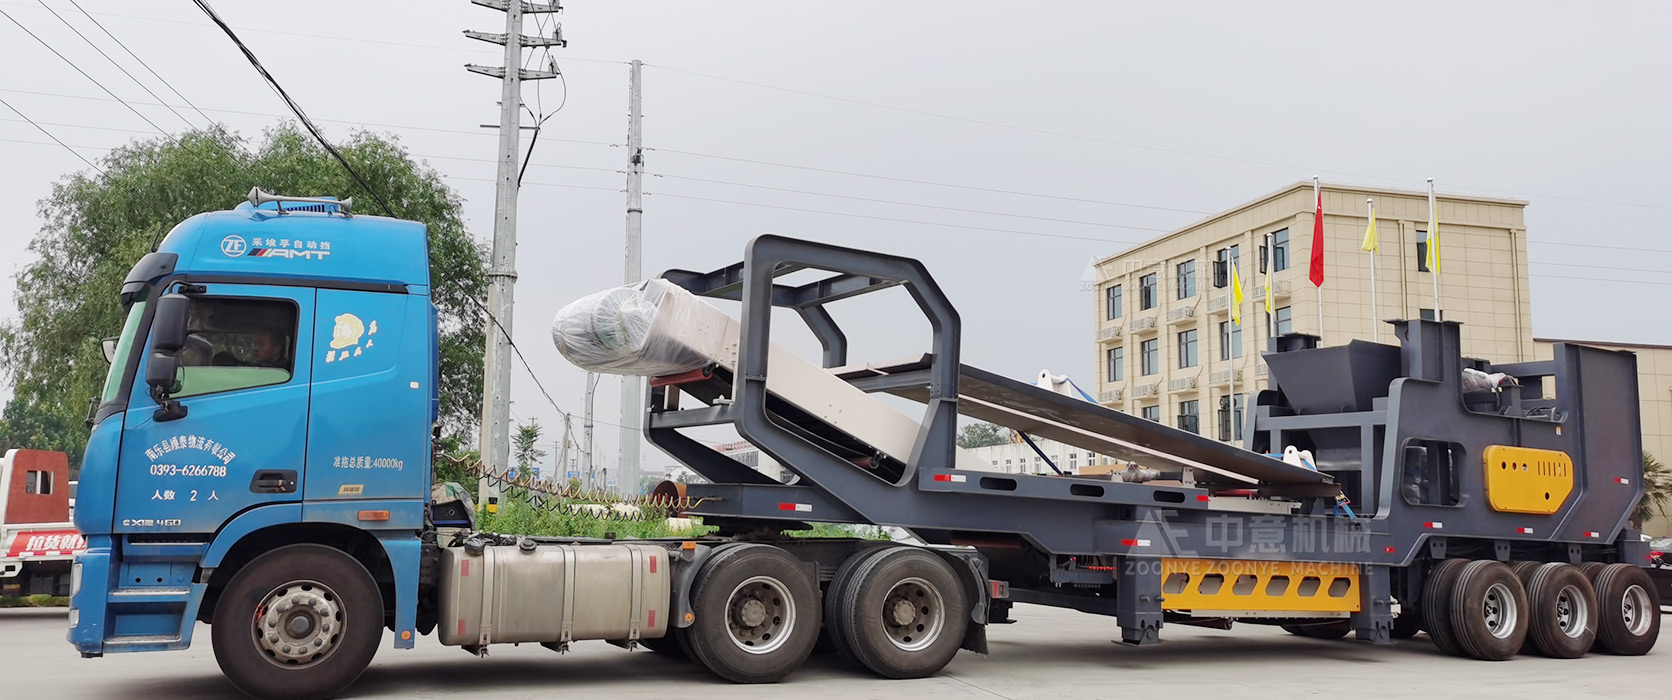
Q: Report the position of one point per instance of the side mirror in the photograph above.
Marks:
(168, 334)
(109, 347)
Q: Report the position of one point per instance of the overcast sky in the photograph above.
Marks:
(1187, 108)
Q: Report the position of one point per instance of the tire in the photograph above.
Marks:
(297, 594)
(1489, 611)
(1324, 630)
(904, 613)
(833, 595)
(666, 645)
(1629, 619)
(1408, 624)
(1591, 569)
(1563, 623)
(1524, 571)
(1436, 604)
(757, 615)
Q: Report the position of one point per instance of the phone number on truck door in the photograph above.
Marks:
(188, 470)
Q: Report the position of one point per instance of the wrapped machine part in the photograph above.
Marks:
(648, 329)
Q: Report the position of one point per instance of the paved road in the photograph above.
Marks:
(1049, 654)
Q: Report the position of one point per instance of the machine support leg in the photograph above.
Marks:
(1138, 602)
(1374, 621)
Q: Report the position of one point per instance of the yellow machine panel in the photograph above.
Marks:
(1525, 480)
(1233, 586)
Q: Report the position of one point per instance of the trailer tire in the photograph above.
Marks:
(1524, 570)
(1436, 605)
(903, 613)
(1629, 619)
(833, 596)
(1489, 611)
(259, 644)
(1563, 604)
(1591, 569)
(757, 615)
(1407, 624)
(1337, 629)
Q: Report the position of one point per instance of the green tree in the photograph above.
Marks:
(97, 226)
(982, 435)
(1657, 490)
(525, 446)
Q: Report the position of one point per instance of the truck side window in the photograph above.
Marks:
(237, 343)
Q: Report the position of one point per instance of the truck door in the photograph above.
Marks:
(244, 379)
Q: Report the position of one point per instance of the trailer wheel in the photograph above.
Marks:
(1489, 611)
(1408, 624)
(301, 621)
(1591, 569)
(834, 594)
(757, 615)
(903, 613)
(1629, 610)
(1436, 605)
(1336, 629)
(1524, 570)
(1563, 624)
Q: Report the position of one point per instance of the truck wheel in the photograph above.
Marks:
(757, 615)
(1489, 611)
(1563, 623)
(1323, 630)
(299, 622)
(1407, 624)
(1436, 605)
(1629, 610)
(904, 613)
(1524, 570)
(833, 595)
(667, 645)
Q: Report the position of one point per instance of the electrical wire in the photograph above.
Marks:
(142, 62)
(113, 62)
(49, 135)
(83, 73)
(294, 108)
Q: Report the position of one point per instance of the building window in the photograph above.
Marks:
(1147, 292)
(1222, 262)
(1187, 349)
(1422, 250)
(1117, 364)
(40, 483)
(1230, 340)
(1151, 413)
(1280, 250)
(1187, 279)
(1149, 356)
(1188, 413)
(1112, 301)
(1283, 319)
(1428, 315)
(1230, 420)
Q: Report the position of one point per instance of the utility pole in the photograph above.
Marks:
(632, 391)
(586, 434)
(495, 441)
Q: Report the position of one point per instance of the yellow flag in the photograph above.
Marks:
(1370, 233)
(1236, 295)
(1433, 242)
(1269, 283)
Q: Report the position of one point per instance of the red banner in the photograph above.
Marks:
(47, 543)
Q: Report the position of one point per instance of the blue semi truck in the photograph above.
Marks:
(260, 460)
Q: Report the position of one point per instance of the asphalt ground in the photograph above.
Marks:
(1049, 654)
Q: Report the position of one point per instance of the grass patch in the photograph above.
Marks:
(39, 600)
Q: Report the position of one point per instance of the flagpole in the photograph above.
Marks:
(1433, 254)
(1375, 328)
(1318, 215)
(1271, 318)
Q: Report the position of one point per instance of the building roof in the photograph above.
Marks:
(1606, 343)
(1305, 185)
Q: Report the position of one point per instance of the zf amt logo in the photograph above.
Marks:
(236, 246)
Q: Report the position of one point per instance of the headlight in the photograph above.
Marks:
(75, 582)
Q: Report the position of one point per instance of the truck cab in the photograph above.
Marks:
(273, 386)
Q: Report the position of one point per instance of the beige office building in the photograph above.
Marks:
(1166, 349)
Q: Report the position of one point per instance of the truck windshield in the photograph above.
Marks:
(124, 346)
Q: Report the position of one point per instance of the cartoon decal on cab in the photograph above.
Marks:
(345, 338)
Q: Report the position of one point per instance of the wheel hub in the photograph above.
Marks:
(761, 616)
(298, 624)
(752, 613)
(913, 614)
(1635, 612)
(1498, 607)
(903, 611)
(1571, 613)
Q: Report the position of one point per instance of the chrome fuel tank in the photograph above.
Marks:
(553, 593)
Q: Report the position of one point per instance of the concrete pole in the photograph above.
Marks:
(586, 434)
(632, 391)
(495, 441)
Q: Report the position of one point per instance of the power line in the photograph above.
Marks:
(294, 108)
(142, 62)
(49, 135)
(83, 73)
(975, 188)
(113, 62)
(909, 204)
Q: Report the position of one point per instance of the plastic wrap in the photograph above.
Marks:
(648, 329)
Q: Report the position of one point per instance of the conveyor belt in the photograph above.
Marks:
(991, 397)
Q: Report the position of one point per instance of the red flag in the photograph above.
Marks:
(1318, 239)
